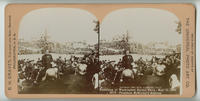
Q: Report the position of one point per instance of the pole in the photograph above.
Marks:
(98, 41)
(98, 32)
(97, 29)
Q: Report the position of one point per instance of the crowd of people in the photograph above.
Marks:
(104, 73)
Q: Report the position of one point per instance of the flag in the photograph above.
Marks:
(96, 29)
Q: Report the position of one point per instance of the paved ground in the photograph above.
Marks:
(77, 84)
(70, 83)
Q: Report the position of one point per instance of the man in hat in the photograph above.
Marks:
(127, 59)
(47, 59)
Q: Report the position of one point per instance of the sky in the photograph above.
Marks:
(144, 25)
(70, 24)
(62, 25)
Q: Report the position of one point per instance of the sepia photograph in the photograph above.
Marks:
(57, 51)
(141, 52)
(133, 51)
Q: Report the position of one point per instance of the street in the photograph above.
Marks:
(68, 84)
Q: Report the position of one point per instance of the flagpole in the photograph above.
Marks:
(97, 29)
(98, 32)
(98, 42)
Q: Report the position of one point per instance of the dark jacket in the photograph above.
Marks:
(46, 60)
(126, 61)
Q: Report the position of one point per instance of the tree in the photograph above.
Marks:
(124, 43)
(43, 42)
(178, 29)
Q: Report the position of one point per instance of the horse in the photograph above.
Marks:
(36, 74)
(127, 76)
(174, 83)
(28, 70)
(96, 81)
(51, 72)
(21, 79)
(160, 69)
(81, 69)
(100, 81)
